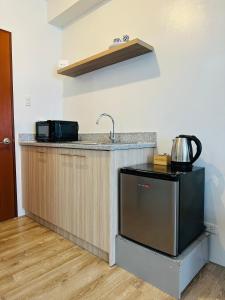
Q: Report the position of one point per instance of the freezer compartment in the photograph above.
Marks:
(149, 212)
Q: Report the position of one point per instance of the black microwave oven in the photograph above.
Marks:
(56, 131)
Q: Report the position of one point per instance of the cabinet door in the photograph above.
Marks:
(96, 196)
(51, 188)
(84, 195)
(41, 182)
(34, 173)
(65, 177)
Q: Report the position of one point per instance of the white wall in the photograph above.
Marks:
(36, 48)
(178, 89)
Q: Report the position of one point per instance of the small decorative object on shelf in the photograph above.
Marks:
(117, 41)
(62, 63)
(126, 38)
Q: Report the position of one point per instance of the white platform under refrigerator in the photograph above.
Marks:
(170, 274)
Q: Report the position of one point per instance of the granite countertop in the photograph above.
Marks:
(100, 142)
(97, 146)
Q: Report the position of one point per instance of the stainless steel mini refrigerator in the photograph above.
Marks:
(161, 208)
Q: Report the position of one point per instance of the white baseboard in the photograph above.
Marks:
(21, 212)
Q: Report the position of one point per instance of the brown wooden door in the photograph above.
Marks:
(7, 156)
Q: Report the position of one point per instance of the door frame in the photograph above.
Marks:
(12, 124)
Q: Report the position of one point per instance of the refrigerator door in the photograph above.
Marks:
(149, 212)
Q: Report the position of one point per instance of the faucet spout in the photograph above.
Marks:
(112, 133)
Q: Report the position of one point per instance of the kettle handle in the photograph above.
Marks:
(199, 147)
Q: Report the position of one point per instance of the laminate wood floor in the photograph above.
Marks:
(36, 263)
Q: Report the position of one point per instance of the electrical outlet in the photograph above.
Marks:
(211, 228)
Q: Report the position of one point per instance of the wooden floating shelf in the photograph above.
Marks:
(106, 58)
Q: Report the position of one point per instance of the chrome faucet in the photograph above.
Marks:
(112, 133)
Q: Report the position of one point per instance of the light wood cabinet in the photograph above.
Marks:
(34, 169)
(75, 192)
(83, 195)
(69, 188)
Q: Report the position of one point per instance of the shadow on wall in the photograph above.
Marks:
(214, 192)
(136, 69)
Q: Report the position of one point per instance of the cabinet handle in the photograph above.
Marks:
(42, 152)
(73, 155)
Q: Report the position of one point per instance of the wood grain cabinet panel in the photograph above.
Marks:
(70, 189)
(84, 195)
(34, 169)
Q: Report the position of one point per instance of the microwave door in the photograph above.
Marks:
(149, 212)
(43, 131)
(60, 132)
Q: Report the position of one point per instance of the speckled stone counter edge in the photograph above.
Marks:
(124, 141)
